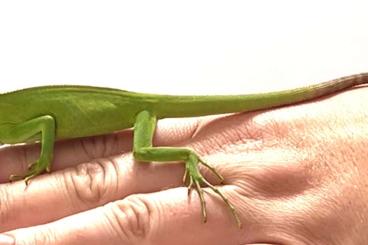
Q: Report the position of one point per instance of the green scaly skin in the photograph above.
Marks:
(52, 113)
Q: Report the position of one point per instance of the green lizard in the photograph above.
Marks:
(51, 113)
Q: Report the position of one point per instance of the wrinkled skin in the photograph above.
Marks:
(297, 175)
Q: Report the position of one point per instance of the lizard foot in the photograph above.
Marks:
(34, 170)
(195, 180)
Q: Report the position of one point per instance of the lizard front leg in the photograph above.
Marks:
(44, 125)
(144, 151)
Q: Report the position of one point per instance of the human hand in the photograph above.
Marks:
(297, 175)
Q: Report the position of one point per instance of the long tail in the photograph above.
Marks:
(187, 106)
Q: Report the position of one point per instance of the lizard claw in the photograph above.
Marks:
(196, 179)
(34, 170)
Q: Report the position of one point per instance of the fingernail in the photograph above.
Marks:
(6, 240)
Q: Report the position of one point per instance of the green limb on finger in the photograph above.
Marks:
(34, 170)
(44, 125)
(144, 151)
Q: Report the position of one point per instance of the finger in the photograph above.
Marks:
(80, 188)
(15, 159)
(164, 217)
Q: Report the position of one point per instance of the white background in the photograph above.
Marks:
(181, 47)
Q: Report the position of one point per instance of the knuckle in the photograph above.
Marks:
(92, 183)
(113, 144)
(94, 147)
(131, 218)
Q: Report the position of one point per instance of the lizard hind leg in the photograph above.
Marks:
(144, 151)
